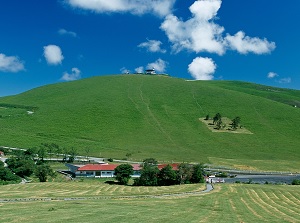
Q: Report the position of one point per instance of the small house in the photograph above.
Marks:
(103, 170)
(150, 71)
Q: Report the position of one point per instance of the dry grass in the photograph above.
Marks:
(87, 188)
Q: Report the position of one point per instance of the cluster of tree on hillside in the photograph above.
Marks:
(52, 150)
(219, 124)
(24, 164)
(152, 176)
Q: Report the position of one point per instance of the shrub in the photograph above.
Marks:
(123, 173)
(222, 174)
(296, 182)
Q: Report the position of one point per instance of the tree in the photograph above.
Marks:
(42, 153)
(235, 123)
(123, 173)
(198, 174)
(43, 171)
(72, 156)
(184, 173)
(219, 124)
(7, 176)
(167, 176)
(207, 117)
(150, 161)
(30, 153)
(65, 154)
(58, 151)
(25, 168)
(216, 118)
(148, 176)
(21, 167)
(296, 182)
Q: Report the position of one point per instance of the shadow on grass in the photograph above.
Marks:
(111, 182)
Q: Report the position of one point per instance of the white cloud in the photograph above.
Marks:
(152, 46)
(66, 32)
(245, 44)
(124, 70)
(200, 33)
(202, 68)
(53, 54)
(286, 80)
(139, 70)
(74, 75)
(205, 9)
(159, 65)
(272, 75)
(10, 64)
(158, 7)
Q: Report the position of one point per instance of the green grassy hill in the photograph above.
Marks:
(158, 116)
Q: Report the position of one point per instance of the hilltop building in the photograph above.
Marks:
(150, 71)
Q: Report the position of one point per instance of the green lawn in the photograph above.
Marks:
(227, 203)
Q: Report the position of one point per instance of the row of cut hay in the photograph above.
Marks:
(78, 189)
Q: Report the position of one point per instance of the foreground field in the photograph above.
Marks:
(226, 203)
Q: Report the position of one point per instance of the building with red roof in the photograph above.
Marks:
(107, 170)
(173, 165)
(99, 170)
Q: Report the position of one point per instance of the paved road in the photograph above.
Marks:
(274, 179)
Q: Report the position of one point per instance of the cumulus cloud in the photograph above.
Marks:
(74, 75)
(245, 44)
(272, 75)
(66, 32)
(158, 7)
(10, 64)
(139, 70)
(159, 65)
(200, 33)
(202, 68)
(152, 46)
(53, 54)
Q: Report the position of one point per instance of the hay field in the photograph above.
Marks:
(227, 203)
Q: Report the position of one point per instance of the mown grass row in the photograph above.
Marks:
(227, 203)
(88, 188)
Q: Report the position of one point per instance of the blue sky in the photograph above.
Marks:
(51, 41)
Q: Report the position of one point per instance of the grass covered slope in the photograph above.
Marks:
(153, 116)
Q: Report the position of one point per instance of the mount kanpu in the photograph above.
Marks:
(142, 116)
